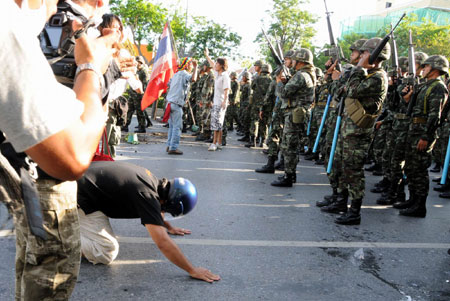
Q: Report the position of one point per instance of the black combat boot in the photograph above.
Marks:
(245, 138)
(312, 156)
(391, 195)
(418, 209)
(140, 130)
(353, 216)
(269, 167)
(437, 180)
(443, 188)
(320, 161)
(294, 178)
(339, 205)
(279, 165)
(384, 199)
(224, 141)
(403, 204)
(383, 187)
(251, 142)
(148, 122)
(436, 168)
(382, 183)
(286, 181)
(328, 199)
(307, 153)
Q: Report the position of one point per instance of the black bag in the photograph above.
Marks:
(120, 105)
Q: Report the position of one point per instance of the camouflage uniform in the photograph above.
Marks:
(144, 77)
(296, 96)
(271, 107)
(316, 117)
(198, 100)
(425, 113)
(207, 95)
(244, 101)
(134, 105)
(45, 270)
(259, 86)
(232, 109)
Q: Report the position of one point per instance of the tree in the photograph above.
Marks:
(220, 40)
(290, 24)
(427, 36)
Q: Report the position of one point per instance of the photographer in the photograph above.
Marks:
(59, 129)
(123, 190)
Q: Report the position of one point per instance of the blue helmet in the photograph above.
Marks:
(182, 197)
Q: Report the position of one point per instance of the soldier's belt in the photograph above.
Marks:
(358, 114)
(419, 120)
(401, 116)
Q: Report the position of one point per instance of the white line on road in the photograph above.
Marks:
(298, 244)
(300, 206)
(130, 262)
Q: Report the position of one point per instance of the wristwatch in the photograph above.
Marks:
(90, 66)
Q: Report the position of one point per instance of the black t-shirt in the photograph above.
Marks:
(120, 190)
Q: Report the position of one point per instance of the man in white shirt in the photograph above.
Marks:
(222, 84)
(59, 129)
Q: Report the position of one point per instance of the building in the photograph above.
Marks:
(389, 11)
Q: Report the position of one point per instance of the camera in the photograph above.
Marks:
(57, 42)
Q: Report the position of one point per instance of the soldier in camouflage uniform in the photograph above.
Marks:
(421, 135)
(144, 77)
(296, 95)
(336, 85)
(366, 91)
(244, 103)
(198, 98)
(233, 109)
(134, 105)
(320, 102)
(260, 85)
(206, 96)
(400, 126)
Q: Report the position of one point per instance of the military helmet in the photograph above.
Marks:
(358, 44)
(246, 74)
(319, 72)
(371, 44)
(205, 63)
(258, 63)
(303, 55)
(233, 74)
(403, 63)
(420, 57)
(266, 68)
(438, 62)
(289, 54)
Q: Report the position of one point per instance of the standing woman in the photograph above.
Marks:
(221, 88)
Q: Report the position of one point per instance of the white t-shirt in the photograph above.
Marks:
(221, 82)
(33, 105)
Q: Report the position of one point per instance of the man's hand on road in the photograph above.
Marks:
(178, 231)
(204, 274)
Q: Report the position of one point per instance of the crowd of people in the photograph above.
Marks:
(399, 121)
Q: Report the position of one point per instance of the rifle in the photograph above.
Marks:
(411, 80)
(322, 123)
(335, 52)
(373, 56)
(278, 57)
(395, 75)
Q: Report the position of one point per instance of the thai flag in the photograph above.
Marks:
(164, 67)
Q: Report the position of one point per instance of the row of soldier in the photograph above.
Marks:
(286, 113)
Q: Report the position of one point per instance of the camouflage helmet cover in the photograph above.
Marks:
(233, 74)
(438, 62)
(420, 57)
(319, 72)
(289, 54)
(205, 63)
(266, 68)
(403, 63)
(246, 75)
(258, 63)
(303, 55)
(371, 44)
(358, 44)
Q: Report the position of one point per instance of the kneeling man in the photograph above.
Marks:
(111, 189)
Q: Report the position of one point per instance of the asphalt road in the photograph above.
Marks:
(267, 243)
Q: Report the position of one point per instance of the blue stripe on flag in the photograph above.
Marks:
(163, 48)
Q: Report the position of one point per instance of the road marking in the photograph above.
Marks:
(6, 233)
(300, 206)
(297, 244)
(130, 262)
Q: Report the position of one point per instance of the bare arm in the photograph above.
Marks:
(66, 155)
(168, 247)
(211, 63)
(195, 72)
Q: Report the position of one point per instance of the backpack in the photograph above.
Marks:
(120, 105)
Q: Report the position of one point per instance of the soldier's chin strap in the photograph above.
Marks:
(26, 169)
